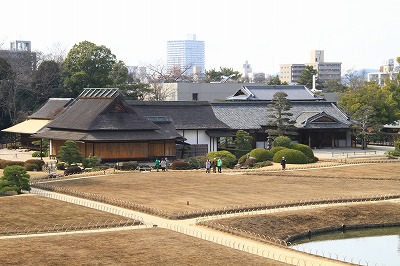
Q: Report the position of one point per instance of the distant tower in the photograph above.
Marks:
(317, 56)
(247, 71)
(186, 54)
(20, 46)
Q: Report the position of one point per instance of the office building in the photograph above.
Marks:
(386, 71)
(187, 56)
(326, 71)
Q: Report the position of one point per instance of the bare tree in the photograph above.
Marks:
(353, 79)
(57, 53)
(158, 77)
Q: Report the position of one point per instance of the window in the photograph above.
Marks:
(195, 96)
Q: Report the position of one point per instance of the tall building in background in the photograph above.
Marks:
(386, 70)
(20, 57)
(326, 71)
(186, 55)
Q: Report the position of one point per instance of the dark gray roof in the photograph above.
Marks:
(51, 108)
(101, 114)
(254, 114)
(266, 93)
(185, 114)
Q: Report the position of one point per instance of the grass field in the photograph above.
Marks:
(171, 191)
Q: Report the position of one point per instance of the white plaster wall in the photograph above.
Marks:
(199, 137)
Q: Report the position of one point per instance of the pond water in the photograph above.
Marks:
(380, 246)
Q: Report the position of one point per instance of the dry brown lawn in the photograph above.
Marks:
(283, 224)
(132, 247)
(172, 190)
(30, 211)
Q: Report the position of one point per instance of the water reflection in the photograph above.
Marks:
(368, 246)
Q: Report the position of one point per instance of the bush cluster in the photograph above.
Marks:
(33, 165)
(282, 141)
(4, 163)
(292, 156)
(73, 169)
(228, 159)
(197, 162)
(262, 164)
(37, 154)
(126, 166)
(260, 154)
(180, 165)
(304, 149)
(60, 166)
(274, 150)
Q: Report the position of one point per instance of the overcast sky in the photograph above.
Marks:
(358, 33)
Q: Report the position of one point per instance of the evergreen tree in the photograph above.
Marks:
(69, 153)
(15, 179)
(279, 118)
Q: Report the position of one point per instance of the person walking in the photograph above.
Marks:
(157, 164)
(166, 164)
(163, 164)
(283, 163)
(208, 166)
(214, 165)
(219, 165)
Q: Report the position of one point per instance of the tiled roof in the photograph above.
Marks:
(266, 93)
(51, 108)
(254, 114)
(185, 114)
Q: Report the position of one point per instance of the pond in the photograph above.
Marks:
(379, 246)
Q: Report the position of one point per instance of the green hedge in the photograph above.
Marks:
(180, 165)
(304, 149)
(291, 156)
(274, 150)
(260, 154)
(282, 141)
(197, 162)
(31, 167)
(228, 159)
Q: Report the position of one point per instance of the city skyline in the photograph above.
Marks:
(360, 34)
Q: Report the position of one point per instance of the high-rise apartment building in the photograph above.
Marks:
(186, 55)
(20, 57)
(325, 70)
(387, 70)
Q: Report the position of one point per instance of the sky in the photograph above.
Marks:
(359, 33)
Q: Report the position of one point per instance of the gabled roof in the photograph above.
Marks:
(254, 114)
(103, 113)
(266, 93)
(51, 108)
(185, 114)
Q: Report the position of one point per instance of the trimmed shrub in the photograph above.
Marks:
(60, 166)
(197, 162)
(126, 166)
(304, 149)
(228, 159)
(282, 141)
(40, 163)
(262, 164)
(260, 154)
(397, 145)
(37, 154)
(180, 165)
(274, 150)
(31, 167)
(393, 153)
(5, 163)
(73, 169)
(91, 162)
(291, 156)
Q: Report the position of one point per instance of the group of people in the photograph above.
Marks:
(215, 164)
(163, 164)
